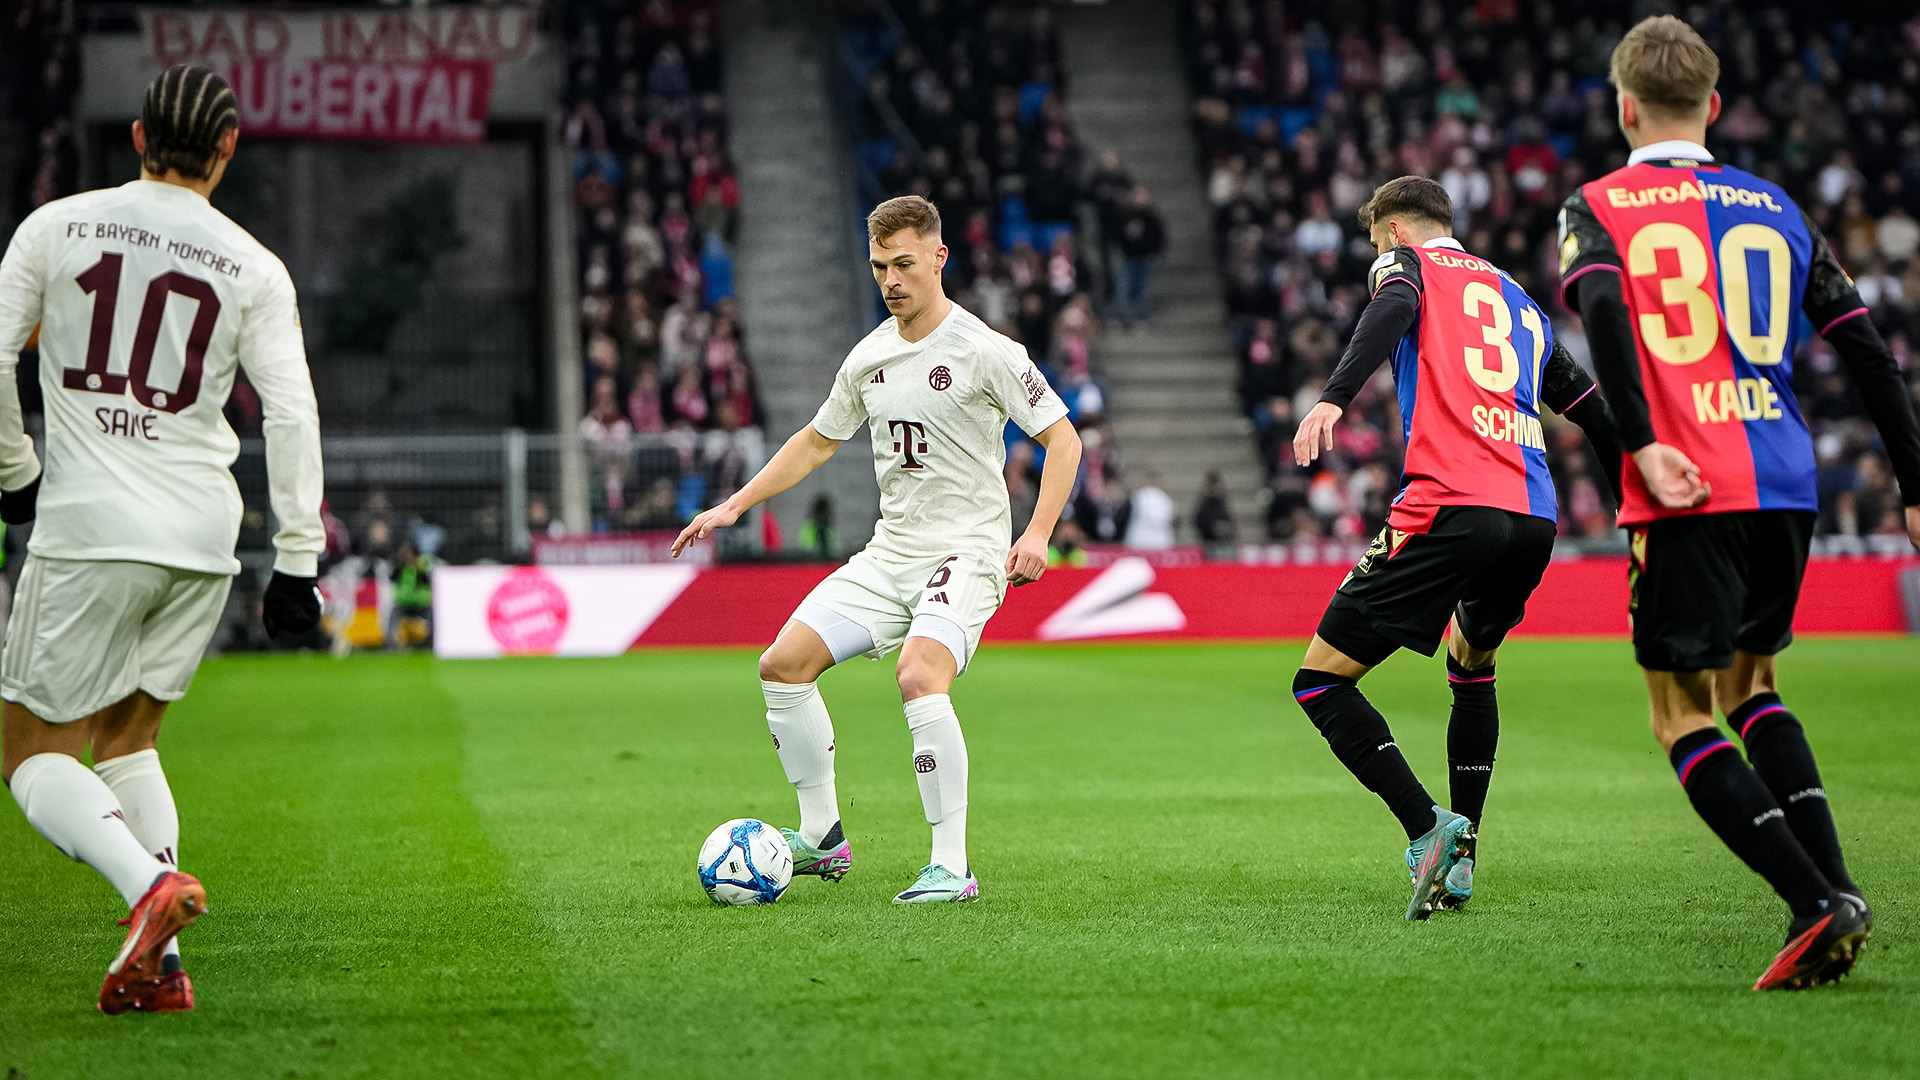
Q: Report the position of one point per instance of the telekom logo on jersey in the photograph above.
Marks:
(909, 441)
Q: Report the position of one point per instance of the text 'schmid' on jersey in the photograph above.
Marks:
(1468, 377)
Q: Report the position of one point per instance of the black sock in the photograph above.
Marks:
(1736, 805)
(1778, 749)
(1472, 734)
(1361, 740)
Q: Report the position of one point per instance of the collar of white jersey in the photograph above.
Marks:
(1668, 150)
(1445, 242)
(150, 184)
(952, 310)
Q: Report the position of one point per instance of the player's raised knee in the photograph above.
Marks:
(775, 667)
(924, 671)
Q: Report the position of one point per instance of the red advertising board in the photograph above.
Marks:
(648, 606)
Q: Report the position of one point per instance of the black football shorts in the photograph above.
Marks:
(1703, 585)
(1476, 562)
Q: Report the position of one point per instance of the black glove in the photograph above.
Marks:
(16, 507)
(291, 605)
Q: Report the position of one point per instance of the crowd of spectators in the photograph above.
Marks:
(1300, 110)
(965, 103)
(674, 419)
(43, 74)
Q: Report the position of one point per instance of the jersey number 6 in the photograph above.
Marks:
(102, 279)
(1683, 289)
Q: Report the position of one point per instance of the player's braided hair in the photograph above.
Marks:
(187, 111)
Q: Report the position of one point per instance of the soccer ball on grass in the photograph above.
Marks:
(745, 862)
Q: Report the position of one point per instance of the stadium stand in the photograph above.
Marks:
(965, 104)
(1300, 111)
(40, 53)
(42, 80)
(673, 417)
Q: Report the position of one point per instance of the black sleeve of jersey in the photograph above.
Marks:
(1830, 293)
(1584, 245)
(1884, 393)
(1616, 356)
(1385, 320)
(1834, 307)
(1566, 390)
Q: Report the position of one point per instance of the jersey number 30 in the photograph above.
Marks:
(102, 279)
(1684, 289)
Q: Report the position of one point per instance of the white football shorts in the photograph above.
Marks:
(86, 634)
(877, 600)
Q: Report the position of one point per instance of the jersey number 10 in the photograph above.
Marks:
(102, 279)
(1684, 289)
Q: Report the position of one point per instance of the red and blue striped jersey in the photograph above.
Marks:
(1468, 375)
(1716, 264)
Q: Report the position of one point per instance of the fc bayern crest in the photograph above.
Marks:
(940, 377)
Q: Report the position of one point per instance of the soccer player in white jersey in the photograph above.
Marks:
(936, 388)
(147, 299)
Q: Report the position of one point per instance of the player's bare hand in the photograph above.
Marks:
(1913, 526)
(1027, 561)
(1671, 476)
(703, 525)
(1315, 432)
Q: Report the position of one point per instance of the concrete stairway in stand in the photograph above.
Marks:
(1171, 382)
(800, 273)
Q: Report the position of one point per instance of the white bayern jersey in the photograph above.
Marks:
(148, 300)
(937, 410)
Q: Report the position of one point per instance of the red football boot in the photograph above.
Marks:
(173, 902)
(172, 992)
(1818, 950)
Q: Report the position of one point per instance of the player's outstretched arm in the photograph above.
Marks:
(1833, 304)
(1877, 376)
(1385, 320)
(806, 451)
(274, 354)
(20, 308)
(1028, 559)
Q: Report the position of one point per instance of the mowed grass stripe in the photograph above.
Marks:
(360, 924)
(1178, 878)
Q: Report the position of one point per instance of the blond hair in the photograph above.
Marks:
(1667, 67)
(904, 212)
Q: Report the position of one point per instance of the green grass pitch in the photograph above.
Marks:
(425, 869)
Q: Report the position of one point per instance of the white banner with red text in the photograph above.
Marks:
(604, 610)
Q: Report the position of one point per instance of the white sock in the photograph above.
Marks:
(77, 812)
(141, 786)
(940, 766)
(803, 734)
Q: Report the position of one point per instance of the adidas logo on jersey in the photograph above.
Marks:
(878, 377)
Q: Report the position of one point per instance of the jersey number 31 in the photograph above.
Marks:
(102, 279)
